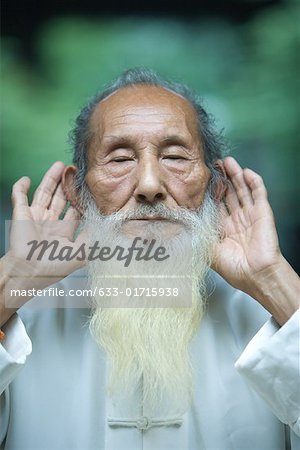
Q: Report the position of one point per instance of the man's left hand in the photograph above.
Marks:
(248, 256)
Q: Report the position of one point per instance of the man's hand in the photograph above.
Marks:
(248, 256)
(38, 222)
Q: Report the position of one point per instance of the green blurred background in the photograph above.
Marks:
(242, 59)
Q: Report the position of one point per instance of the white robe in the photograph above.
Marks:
(53, 379)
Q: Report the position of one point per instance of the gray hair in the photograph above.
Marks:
(80, 136)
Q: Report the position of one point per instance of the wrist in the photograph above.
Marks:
(277, 288)
(5, 312)
(18, 280)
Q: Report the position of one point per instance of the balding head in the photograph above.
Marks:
(211, 141)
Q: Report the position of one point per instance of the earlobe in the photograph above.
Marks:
(219, 181)
(69, 187)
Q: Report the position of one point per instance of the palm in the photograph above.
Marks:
(250, 244)
(40, 220)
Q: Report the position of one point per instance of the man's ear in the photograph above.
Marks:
(219, 180)
(68, 186)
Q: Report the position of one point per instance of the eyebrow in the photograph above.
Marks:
(127, 140)
(111, 140)
(174, 139)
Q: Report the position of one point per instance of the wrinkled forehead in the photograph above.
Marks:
(140, 102)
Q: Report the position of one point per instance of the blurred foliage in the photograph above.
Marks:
(247, 75)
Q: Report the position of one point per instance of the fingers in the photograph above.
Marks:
(236, 175)
(231, 198)
(71, 219)
(44, 193)
(58, 202)
(248, 185)
(256, 184)
(19, 192)
(72, 214)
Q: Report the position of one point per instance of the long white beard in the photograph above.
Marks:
(149, 346)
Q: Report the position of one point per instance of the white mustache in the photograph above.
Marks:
(178, 215)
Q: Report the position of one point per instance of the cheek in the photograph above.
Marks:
(110, 193)
(189, 190)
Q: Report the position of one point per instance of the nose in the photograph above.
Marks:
(150, 187)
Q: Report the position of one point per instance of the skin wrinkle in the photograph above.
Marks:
(147, 125)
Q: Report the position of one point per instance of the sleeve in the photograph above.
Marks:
(13, 353)
(271, 364)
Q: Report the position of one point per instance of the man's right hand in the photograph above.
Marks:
(37, 222)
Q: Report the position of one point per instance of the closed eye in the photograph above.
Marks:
(123, 159)
(173, 157)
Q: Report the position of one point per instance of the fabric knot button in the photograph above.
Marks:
(143, 423)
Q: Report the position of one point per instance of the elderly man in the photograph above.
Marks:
(147, 163)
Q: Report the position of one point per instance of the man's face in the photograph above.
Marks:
(145, 149)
